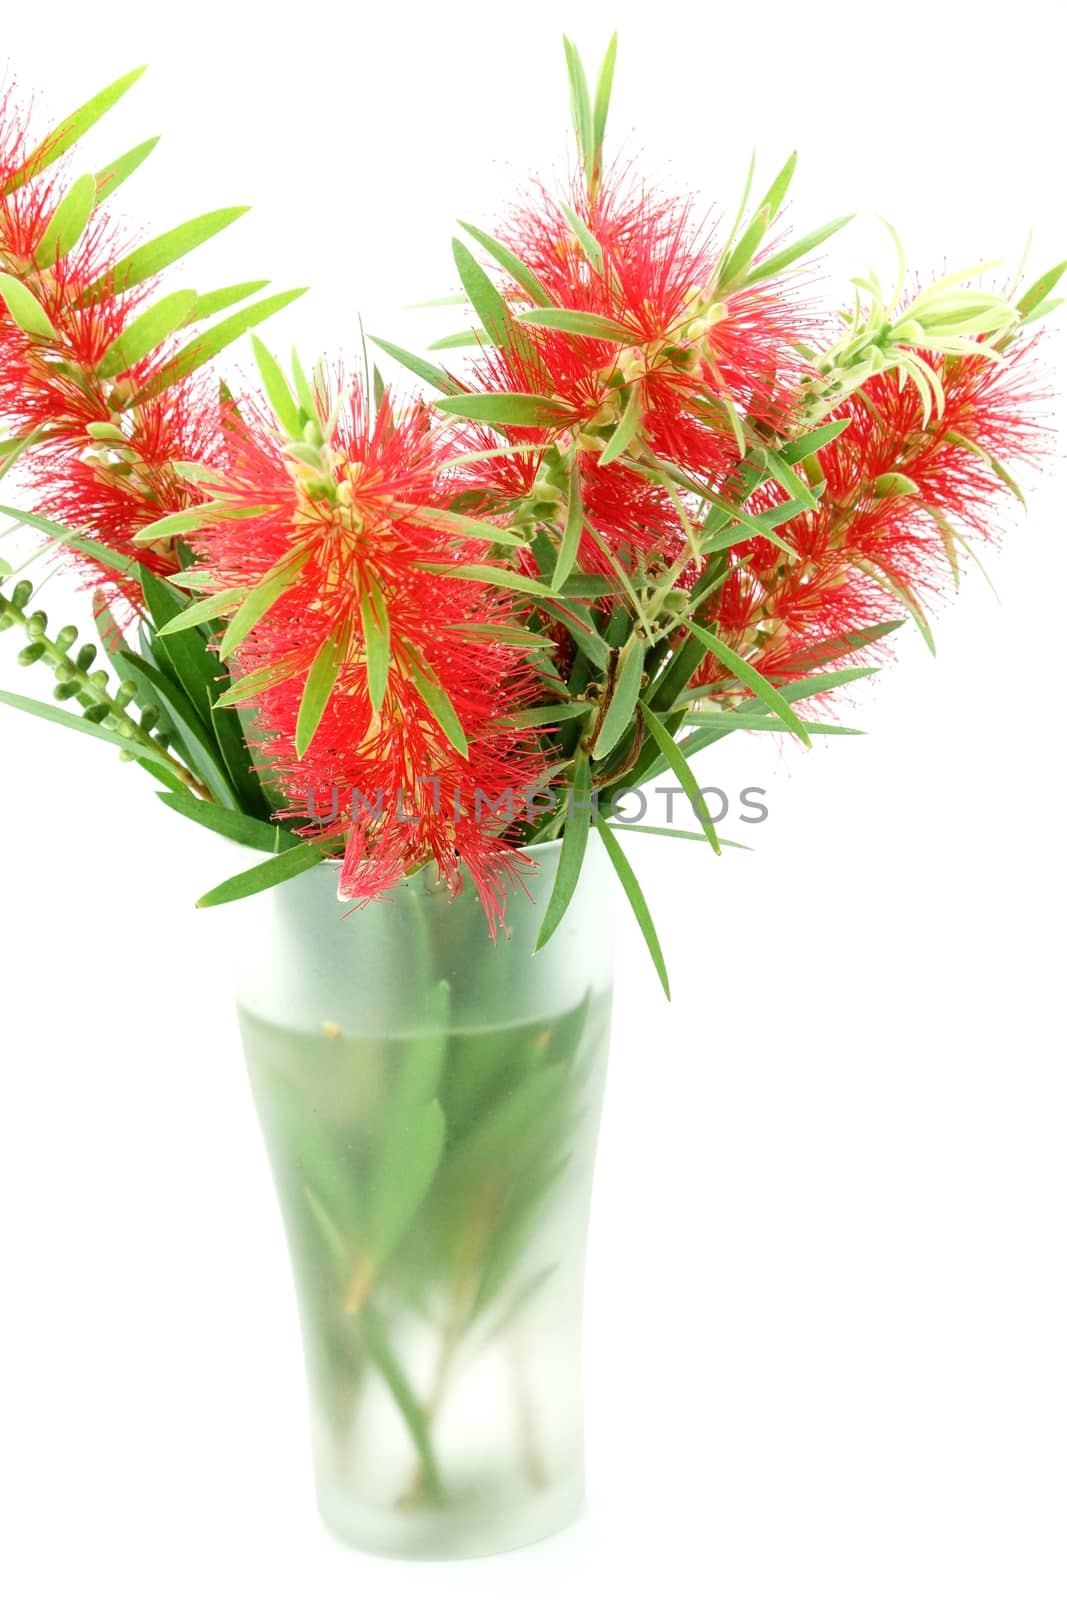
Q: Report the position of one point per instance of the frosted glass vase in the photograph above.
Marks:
(430, 1104)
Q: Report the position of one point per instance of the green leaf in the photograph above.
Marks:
(467, 339)
(231, 824)
(175, 524)
(150, 259)
(374, 618)
(207, 345)
(436, 377)
(483, 294)
(793, 252)
(66, 719)
(587, 323)
(773, 199)
(25, 310)
(258, 601)
(70, 130)
(109, 178)
(506, 410)
(628, 425)
(278, 391)
(464, 527)
(195, 666)
(890, 484)
(678, 764)
(783, 474)
(197, 741)
(1040, 289)
(279, 869)
(73, 541)
(726, 722)
(809, 444)
(412, 1143)
(624, 694)
(572, 850)
(902, 592)
(250, 787)
(406, 1400)
(321, 681)
(747, 674)
(216, 300)
(804, 689)
(581, 106)
(523, 275)
(639, 904)
(588, 243)
(499, 577)
(572, 532)
(605, 78)
(737, 263)
(437, 702)
(147, 332)
(68, 223)
(548, 716)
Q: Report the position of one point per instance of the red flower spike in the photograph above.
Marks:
(361, 523)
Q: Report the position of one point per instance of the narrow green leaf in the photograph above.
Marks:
(638, 903)
(500, 577)
(601, 104)
(581, 106)
(436, 377)
(93, 730)
(624, 695)
(175, 524)
(321, 682)
(783, 474)
(70, 130)
(151, 258)
(572, 849)
(467, 339)
(773, 199)
(374, 617)
(506, 410)
(782, 259)
(231, 824)
(523, 275)
(1040, 289)
(437, 702)
(588, 243)
(902, 592)
(68, 222)
(258, 601)
(737, 263)
(207, 345)
(723, 723)
(266, 875)
(809, 444)
(586, 323)
(464, 527)
(627, 428)
(548, 716)
(572, 532)
(72, 541)
(483, 294)
(25, 310)
(891, 484)
(678, 764)
(747, 674)
(277, 389)
(109, 178)
(216, 300)
(147, 332)
(198, 742)
(804, 689)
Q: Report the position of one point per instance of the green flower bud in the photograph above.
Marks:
(96, 714)
(33, 652)
(126, 691)
(66, 637)
(65, 691)
(22, 594)
(86, 656)
(37, 624)
(98, 679)
(149, 717)
(65, 672)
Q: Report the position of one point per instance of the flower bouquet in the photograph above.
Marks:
(411, 650)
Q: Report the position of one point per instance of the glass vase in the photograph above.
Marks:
(430, 1102)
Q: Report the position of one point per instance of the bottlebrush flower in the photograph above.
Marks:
(376, 677)
(902, 493)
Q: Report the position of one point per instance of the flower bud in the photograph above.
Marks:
(21, 594)
(33, 652)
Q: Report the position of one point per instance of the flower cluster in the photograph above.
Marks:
(665, 496)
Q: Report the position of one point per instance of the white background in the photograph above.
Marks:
(827, 1314)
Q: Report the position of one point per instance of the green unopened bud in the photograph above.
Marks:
(65, 672)
(21, 594)
(37, 624)
(66, 637)
(126, 691)
(98, 679)
(86, 656)
(149, 717)
(65, 691)
(33, 652)
(96, 714)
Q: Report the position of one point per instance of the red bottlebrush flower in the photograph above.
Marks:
(698, 351)
(99, 464)
(901, 493)
(418, 768)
